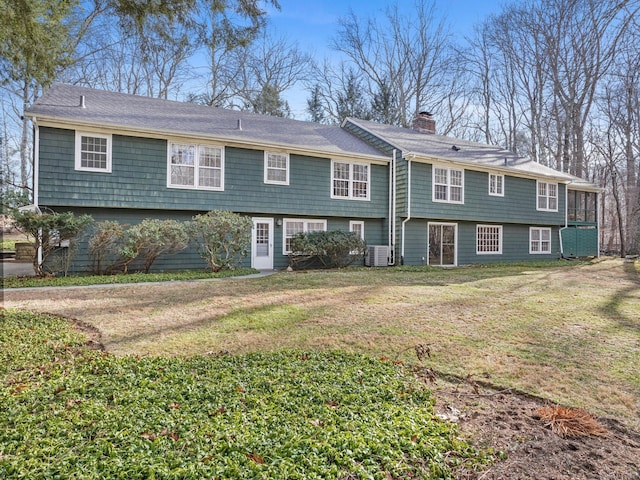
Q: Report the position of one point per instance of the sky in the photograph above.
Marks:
(313, 23)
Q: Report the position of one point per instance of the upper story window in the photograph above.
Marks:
(276, 168)
(496, 185)
(448, 185)
(293, 226)
(539, 240)
(581, 206)
(93, 152)
(547, 196)
(350, 180)
(196, 166)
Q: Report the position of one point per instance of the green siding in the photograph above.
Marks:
(580, 241)
(139, 180)
(517, 206)
(375, 234)
(515, 244)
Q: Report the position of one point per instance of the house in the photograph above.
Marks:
(418, 197)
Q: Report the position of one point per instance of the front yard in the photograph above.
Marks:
(566, 332)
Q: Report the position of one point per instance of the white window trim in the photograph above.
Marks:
(305, 222)
(538, 182)
(78, 148)
(352, 223)
(499, 228)
(266, 168)
(350, 196)
(540, 252)
(496, 194)
(196, 176)
(433, 185)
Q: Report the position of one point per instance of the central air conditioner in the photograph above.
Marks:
(377, 256)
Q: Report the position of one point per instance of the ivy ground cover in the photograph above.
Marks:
(71, 412)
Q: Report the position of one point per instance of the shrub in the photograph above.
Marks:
(50, 231)
(333, 249)
(105, 245)
(222, 238)
(152, 238)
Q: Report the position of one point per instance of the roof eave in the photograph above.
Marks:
(560, 178)
(229, 140)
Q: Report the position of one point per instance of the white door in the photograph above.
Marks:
(262, 244)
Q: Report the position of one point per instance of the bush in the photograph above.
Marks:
(105, 246)
(50, 231)
(222, 238)
(152, 238)
(333, 249)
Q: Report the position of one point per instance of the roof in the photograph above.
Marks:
(414, 144)
(62, 104)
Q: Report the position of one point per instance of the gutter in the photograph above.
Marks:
(230, 140)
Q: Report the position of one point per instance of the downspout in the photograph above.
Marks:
(597, 207)
(408, 208)
(392, 209)
(36, 170)
(566, 219)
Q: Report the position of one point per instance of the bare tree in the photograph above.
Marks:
(407, 54)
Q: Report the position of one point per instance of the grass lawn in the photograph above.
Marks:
(569, 332)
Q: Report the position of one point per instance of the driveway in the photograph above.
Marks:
(11, 268)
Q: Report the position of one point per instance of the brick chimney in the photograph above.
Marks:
(424, 123)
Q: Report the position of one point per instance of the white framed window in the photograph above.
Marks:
(539, 240)
(547, 196)
(195, 166)
(93, 152)
(293, 226)
(276, 168)
(448, 185)
(357, 227)
(496, 185)
(489, 239)
(350, 180)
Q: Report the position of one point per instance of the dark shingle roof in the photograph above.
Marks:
(144, 114)
(440, 147)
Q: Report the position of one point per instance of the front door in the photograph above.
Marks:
(262, 244)
(442, 244)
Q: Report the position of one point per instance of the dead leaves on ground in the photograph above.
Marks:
(570, 422)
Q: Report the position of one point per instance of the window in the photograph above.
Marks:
(539, 240)
(581, 206)
(488, 239)
(276, 168)
(496, 185)
(548, 196)
(357, 227)
(93, 152)
(293, 226)
(448, 185)
(350, 180)
(196, 166)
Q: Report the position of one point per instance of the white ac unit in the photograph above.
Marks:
(377, 256)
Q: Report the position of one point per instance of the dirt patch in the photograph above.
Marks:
(505, 421)
(93, 335)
